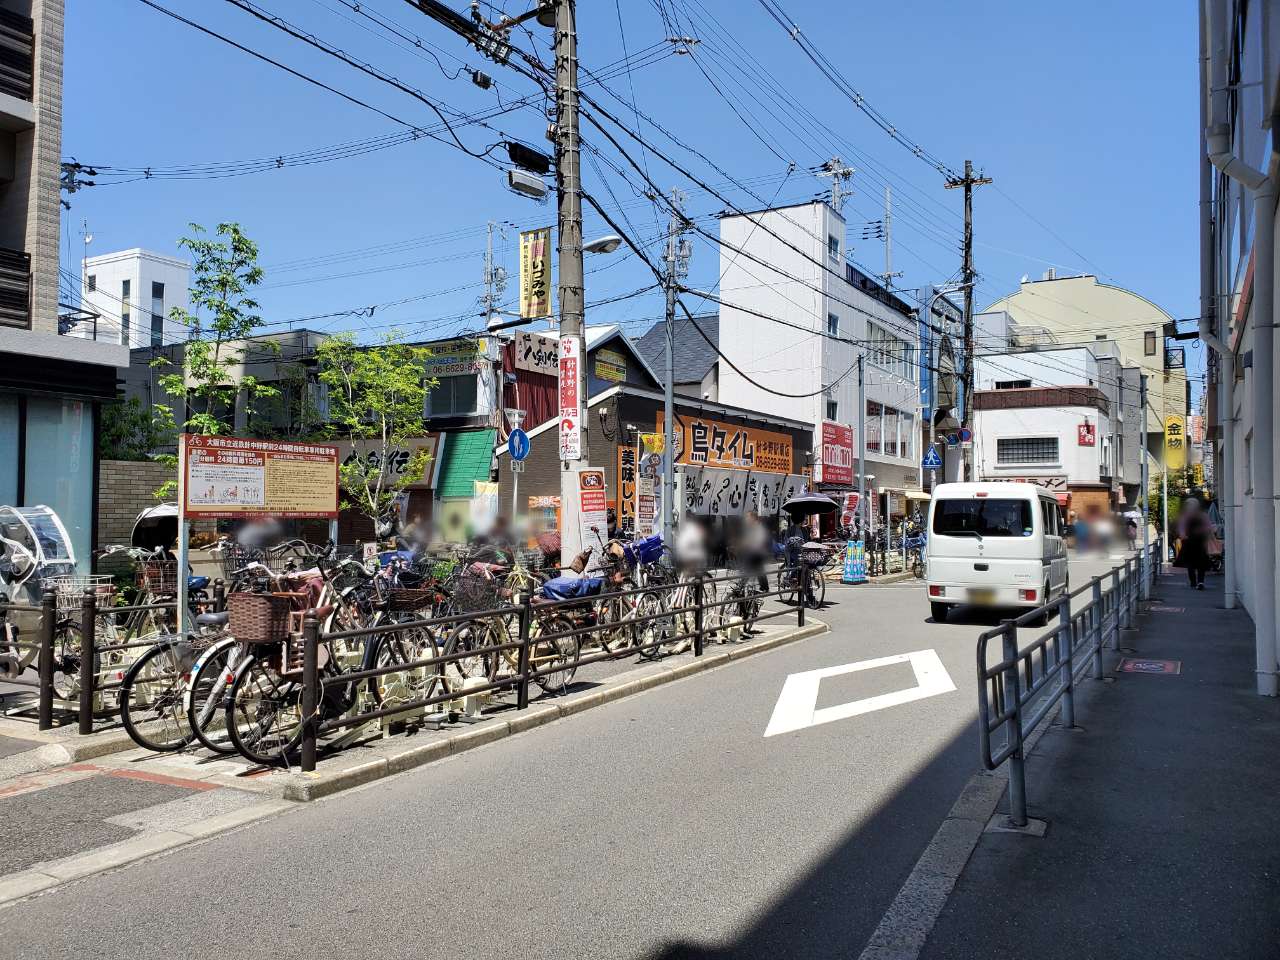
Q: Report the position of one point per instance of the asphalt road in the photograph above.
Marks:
(663, 826)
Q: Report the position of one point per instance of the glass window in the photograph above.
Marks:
(59, 466)
(124, 312)
(833, 325)
(8, 449)
(1027, 450)
(906, 435)
(874, 411)
(1149, 343)
(453, 397)
(833, 247)
(833, 410)
(983, 517)
(93, 282)
(157, 314)
(889, 438)
(1012, 384)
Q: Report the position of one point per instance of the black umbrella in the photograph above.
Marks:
(810, 504)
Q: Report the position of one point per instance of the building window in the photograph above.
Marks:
(833, 247)
(93, 282)
(1012, 384)
(1027, 450)
(125, 293)
(455, 396)
(1099, 336)
(833, 325)
(157, 314)
(1149, 343)
(833, 410)
(874, 410)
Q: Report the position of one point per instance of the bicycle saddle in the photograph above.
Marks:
(197, 583)
(212, 619)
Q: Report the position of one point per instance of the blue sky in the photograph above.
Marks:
(1083, 113)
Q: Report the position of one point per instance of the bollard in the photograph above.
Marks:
(219, 595)
(310, 693)
(698, 619)
(802, 592)
(1013, 695)
(522, 655)
(1116, 608)
(48, 615)
(1067, 656)
(88, 659)
(1126, 592)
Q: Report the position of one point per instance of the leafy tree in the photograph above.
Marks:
(128, 431)
(376, 398)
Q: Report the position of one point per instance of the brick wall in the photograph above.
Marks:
(125, 489)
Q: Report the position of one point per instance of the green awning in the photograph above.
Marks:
(468, 457)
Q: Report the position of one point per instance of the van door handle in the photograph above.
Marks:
(981, 567)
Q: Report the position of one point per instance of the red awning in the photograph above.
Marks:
(1064, 499)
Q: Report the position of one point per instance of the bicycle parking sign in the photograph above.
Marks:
(228, 477)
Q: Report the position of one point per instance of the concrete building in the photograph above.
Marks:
(130, 293)
(51, 386)
(1239, 86)
(1081, 311)
(799, 360)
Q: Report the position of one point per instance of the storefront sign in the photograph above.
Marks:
(593, 510)
(837, 453)
(1195, 427)
(627, 490)
(1057, 483)
(450, 358)
(233, 477)
(849, 511)
(537, 353)
(610, 366)
(1175, 442)
(570, 399)
(713, 443)
(1197, 473)
(398, 460)
(1086, 435)
(535, 273)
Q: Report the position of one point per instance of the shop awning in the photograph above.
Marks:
(467, 457)
(919, 495)
(1064, 499)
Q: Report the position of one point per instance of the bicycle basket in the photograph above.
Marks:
(261, 618)
(70, 591)
(158, 577)
(477, 593)
(405, 599)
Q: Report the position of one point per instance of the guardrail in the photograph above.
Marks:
(1017, 693)
(531, 621)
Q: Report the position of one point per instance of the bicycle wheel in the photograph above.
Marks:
(208, 694)
(413, 643)
(471, 637)
(817, 595)
(788, 586)
(553, 658)
(649, 634)
(264, 712)
(151, 700)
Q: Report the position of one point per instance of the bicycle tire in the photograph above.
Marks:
(788, 587)
(817, 590)
(470, 635)
(207, 696)
(264, 713)
(142, 708)
(558, 651)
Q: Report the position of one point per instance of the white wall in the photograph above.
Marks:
(1079, 464)
(141, 268)
(1044, 368)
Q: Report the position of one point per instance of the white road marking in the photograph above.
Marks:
(796, 708)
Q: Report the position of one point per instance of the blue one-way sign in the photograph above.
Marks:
(931, 459)
(518, 444)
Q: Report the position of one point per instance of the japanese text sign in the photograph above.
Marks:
(712, 443)
(234, 477)
(535, 273)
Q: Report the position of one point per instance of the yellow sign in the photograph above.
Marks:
(450, 358)
(611, 366)
(235, 477)
(1175, 442)
(653, 442)
(712, 443)
(535, 273)
(1197, 472)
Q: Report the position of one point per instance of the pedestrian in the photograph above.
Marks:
(1193, 533)
(1082, 534)
(753, 549)
(1131, 531)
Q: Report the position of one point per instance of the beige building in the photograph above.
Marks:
(1080, 311)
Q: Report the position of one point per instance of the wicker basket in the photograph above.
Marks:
(405, 599)
(261, 617)
(159, 577)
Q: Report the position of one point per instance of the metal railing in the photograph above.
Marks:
(689, 620)
(1018, 691)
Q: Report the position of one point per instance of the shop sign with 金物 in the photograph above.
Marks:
(837, 453)
(610, 365)
(228, 477)
(702, 442)
(537, 353)
(535, 273)
(570, 399)
(1175, 442)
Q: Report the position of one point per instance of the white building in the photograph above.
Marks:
(132, 292)
(798, 325)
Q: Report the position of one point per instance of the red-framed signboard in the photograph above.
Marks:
(228, 477)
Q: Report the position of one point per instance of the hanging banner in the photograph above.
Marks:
(688, 482)
(1175, 442)
(793, 486)
(713, 443)
(837, 453)
(722, 493)
(226, 477)
(593, 511)
(849, 511)
(570, 399)
(769, 492)
(535, 273)
(537, 353)
(627, 491)
(1086, 435)
(855, 562)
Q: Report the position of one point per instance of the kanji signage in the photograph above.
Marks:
(610, 365)
(227, 477)
(593, 510)
(1175, 442)
(703, 442)
(1086, 435)
(570, 399)
(398, 458)
(837, 453)
(627, 490)
(450, 358)
(537, 353)
(535, 273)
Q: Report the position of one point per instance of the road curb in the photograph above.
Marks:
(304, 788)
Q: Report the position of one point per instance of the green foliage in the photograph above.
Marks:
(128, 431)
(1180, 482)
(377, 396)
(222, 312)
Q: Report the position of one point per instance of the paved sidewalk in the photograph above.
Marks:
(1162, 830)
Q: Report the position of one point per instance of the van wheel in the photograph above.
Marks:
(939, 611)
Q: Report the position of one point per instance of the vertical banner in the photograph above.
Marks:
(649, 484)
(535, 273)
(593, 510)
(627, 491)
(837, 453)
(1175, 442)
(570, 399)
(484, 507)
(855, 562)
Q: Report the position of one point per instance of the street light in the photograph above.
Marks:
(606, 244)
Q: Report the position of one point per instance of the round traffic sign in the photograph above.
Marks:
(518, 444)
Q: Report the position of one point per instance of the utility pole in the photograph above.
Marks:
(840, 175)
(968, 182)
(862, 448)
(677, 262)
(888, 239)
(495, 280)
(1146, 534)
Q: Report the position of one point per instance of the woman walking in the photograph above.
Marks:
(1193, 554)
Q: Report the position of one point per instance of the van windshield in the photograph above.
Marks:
(983, 517)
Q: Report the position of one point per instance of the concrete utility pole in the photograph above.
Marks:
(677, 261)
(840, 175)
(1146, 534)
(862, 447)
(968, 182)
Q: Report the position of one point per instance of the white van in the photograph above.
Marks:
(993, 545)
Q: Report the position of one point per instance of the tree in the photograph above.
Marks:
(376, 397)
(128, 431)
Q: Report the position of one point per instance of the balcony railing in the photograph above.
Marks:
(17, 54)
(15, 288)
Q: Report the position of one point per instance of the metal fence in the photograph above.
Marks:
(1019, 690)
(532, 623)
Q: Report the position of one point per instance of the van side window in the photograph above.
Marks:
(1050, 515)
